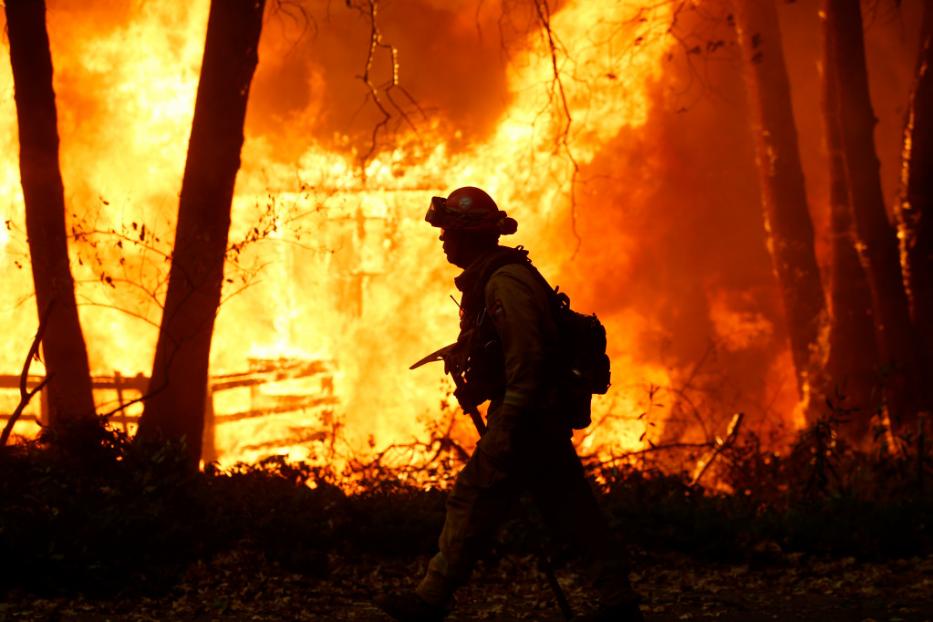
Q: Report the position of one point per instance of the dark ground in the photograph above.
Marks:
(243, 586)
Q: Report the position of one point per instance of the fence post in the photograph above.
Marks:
(118, 385)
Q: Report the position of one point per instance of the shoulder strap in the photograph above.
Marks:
(558, 298)
(560, 301)
(474, 300)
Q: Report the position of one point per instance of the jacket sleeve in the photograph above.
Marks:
(514, 304)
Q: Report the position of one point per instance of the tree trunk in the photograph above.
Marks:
(877, 244)
(70, 395)
(175, 408)
(787, 217)
(914, 210)
(852, 364)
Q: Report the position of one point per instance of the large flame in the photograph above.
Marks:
(330, 258)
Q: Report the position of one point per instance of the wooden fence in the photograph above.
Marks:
(261, 372)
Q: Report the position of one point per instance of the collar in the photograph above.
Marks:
(473, 279)
(466, 279)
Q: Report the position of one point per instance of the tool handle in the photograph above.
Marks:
(477, 419)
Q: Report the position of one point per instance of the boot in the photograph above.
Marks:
(627, 612)
(409, 607)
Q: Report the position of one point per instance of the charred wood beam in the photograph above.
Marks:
(299, 439)
(302, 404)
(12, 382)
(271, 374)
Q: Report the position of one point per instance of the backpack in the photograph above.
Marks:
(581, 367)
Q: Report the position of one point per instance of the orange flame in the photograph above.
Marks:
(330, 262)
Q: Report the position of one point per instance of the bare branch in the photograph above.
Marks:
(732, 433)
(381, 94)
(138, 240)
(145, 396)
(102, 305)
(25, 396)
(543, 12)
(642, 452)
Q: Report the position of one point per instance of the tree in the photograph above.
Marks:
(876, 240)
(852, 362)
(914, 209)
(787, 217)
(70, 395)
(174, 408)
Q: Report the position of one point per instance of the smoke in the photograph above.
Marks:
(450, 62)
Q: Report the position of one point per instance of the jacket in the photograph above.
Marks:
(517, 337)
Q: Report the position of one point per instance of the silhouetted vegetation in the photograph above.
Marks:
(820, 498)
(129, 517)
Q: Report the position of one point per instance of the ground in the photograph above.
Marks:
(243, 586)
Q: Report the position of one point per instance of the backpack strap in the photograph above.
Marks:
(559, 300)
(474, 300)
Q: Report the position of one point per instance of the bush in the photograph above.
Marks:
(820, 498)
(99, 513)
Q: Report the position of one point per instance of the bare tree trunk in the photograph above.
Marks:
(914, 210)
(852, 364)
(175, 408)
(70, 395)
(877, 244)
(787, 217)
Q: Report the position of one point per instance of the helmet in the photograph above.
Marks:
(469, 209)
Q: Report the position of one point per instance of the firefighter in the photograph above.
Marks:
(509, 326)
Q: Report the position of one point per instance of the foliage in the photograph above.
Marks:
(89, 510)
(821, 497)
(101, 513)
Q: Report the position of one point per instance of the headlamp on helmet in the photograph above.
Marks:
(469, 209)
(435, 215)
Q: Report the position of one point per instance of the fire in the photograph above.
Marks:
(330, 259)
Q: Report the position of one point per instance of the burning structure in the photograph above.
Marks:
(616, 132)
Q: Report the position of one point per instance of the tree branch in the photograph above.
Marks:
(25, 396)
(381, 95)
(543, 12)
(732, 433)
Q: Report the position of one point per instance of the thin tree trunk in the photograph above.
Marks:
(70, 395)
(175, 408)
(787, 217)
(852, 364)
(877, 243)
(914, 210)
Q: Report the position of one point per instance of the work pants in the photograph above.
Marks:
(519, 455)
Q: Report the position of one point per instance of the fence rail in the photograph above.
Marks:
(261, 372)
